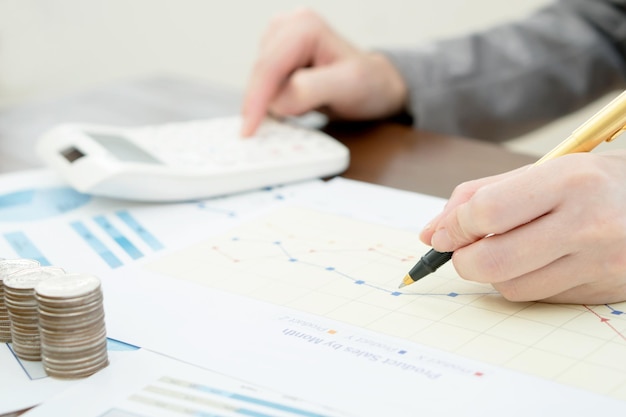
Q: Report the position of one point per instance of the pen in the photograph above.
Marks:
(605, 125)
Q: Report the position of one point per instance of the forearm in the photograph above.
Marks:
(513, 78)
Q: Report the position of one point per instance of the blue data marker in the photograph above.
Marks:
(614, 311)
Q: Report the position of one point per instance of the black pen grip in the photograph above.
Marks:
(429, 263)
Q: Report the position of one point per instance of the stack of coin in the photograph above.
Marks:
(19, 297)
(71, 325)
(8, 266)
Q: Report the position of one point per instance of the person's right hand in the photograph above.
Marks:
(304, 65)
(555, 232)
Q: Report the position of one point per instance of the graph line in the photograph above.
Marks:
(290, 257)
(606, 321)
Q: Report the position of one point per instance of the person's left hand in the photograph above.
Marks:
(554, 232)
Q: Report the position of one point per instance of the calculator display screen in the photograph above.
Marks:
(122, 148)
(72, 154)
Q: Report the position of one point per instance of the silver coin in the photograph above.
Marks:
(68, 286)
(74, 356)
(76, 362)
(7, 267)
(25, 330)
(71, 325)
(60, 340)
(75, 369)
(52, 314)
(27, 278)
(70, 329)
(73, 359)
(67, 303)
(85, 339)
(81, 373)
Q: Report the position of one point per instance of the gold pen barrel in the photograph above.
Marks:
(605, 125)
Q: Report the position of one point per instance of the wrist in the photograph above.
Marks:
(391, 85)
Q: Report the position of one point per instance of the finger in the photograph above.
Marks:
(427, 232)
(281, 55)
(312, 88)
(253, 113)
(588, 294)
(264, 86)
(461, 194)
(556, 282)
(500, 258)
(498, 207)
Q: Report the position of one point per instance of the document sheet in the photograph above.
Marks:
(295, 289)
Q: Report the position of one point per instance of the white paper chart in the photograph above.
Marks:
(348, 270)
(158, 386)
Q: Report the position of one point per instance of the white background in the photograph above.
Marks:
(52, 47)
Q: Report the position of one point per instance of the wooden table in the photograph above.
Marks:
(398, 156)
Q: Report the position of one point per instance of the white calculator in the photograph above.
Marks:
(188, 160)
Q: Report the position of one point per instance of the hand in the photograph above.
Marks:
(556, 232)
(304, 65)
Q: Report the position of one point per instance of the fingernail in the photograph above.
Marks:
(441, 241)
(427, 227)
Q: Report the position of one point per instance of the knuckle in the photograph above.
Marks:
(482, 265)
(293, 97)
(464, 190)
(589, 173)
(483, 208)
(491, 265)
(300, 16)
(458, 230)
(615, 265)
(472, 220)
(306, 13)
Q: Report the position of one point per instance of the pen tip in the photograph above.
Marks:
(406, 281)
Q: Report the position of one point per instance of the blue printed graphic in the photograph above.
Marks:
(96, 244)
(118, 237)
(25, 248)
(145, 235)
(118, 345)
(42, 203)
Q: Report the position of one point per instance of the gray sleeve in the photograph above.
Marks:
(513, 78)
